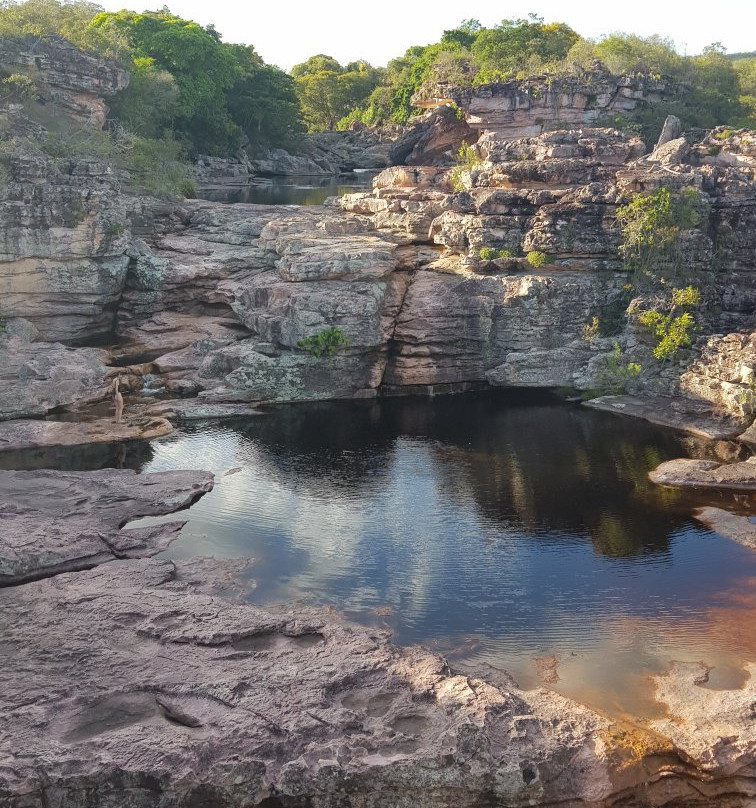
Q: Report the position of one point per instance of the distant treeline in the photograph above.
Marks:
(185, 82)
(717, 89)
(211, 97)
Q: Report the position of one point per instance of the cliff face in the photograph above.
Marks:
(218, 297)
(73, 83)
(399, 272)
(517, 109)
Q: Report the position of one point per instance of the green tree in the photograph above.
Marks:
(515, 45)
(204, 72)
(327, 91)
(67, 19)
(263, 101)
(150, 104)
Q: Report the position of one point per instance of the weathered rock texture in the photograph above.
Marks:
(36, 377)
(16, 435)
(73, 83)
(63, 239)
(55, 521)
(517, 109)
(735, 526)
(182, 698)
(426, 276)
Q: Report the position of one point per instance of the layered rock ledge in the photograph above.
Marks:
(684, 473)
(55, 521)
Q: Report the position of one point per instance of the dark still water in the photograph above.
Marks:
(291, 190)
(498, 531)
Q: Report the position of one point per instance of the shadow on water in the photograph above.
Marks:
(134, 455)
(503, 530)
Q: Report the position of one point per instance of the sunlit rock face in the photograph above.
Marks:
(431, 286)
(489, 274)
(522, 108)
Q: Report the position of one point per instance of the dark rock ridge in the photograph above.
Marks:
(55, 521)
(136, 684)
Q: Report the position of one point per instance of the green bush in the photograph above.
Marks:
(617, 371)
(492, 253)
(651, 226)
(324, 343)
(590, 330)
(537, 258)
(672, 330)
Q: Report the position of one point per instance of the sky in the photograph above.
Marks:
(285, 32)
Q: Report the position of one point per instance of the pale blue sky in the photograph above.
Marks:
(285, 32)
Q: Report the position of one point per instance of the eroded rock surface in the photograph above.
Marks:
(517, 109)
(185, 698)
(36, 377)
(56, 521)
(72, 81)
(735, 526)
(506, 273)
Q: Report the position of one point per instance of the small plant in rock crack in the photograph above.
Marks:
(324, 343)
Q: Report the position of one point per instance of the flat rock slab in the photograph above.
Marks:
(192, 409)
(56, 521)
(32, 434)
(684, 473)
(132, 685)
(674, 413)
(732, 525)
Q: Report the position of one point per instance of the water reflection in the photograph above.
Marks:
(290, 190)
(506, 531)
(133, 455)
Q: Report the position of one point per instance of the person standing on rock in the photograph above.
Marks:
(117, 400)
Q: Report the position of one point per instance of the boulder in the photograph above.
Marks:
(433, 141)
(686, 473)
(36, 377)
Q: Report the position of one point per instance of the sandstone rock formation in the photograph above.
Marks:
(36, 377)
(73, 83)
(19, 434)
(54, 521)
(735, 526)
(427, 277)
(516, 109)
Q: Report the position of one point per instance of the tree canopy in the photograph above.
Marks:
(212, 97)
(185, 82)
(327, 91)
